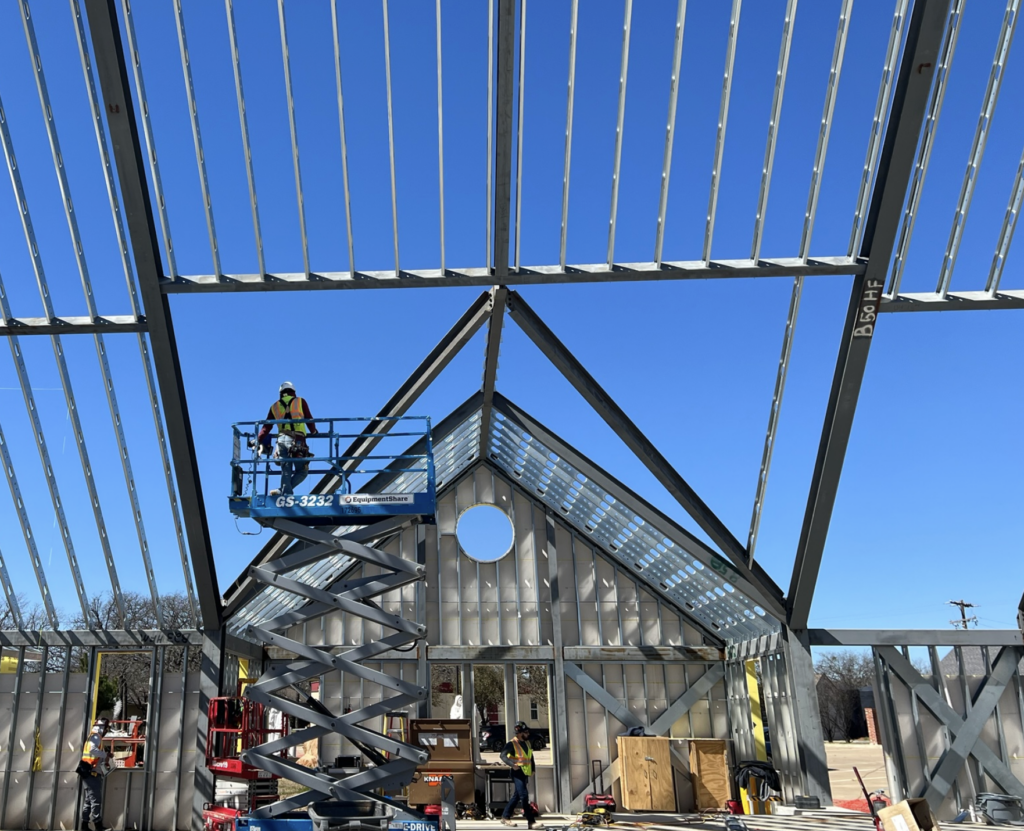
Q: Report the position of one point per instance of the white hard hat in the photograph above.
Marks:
(287, 385)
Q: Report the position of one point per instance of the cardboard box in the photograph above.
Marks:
(425, 788)
(447, 740)
(908, 815)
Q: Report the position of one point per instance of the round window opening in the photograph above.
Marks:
(484, 533)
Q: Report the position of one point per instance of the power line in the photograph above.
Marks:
(964, 620)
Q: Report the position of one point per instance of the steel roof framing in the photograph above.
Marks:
(502, 195)
(635, 440)
(803, 265)
(101, 350)
(133, 296)
(924, 37)
(899, 148)
(113, 75)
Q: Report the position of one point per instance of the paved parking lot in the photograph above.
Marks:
(867, 758)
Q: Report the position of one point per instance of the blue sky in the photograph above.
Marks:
(929, 505)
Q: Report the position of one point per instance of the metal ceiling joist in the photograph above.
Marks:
(78, 325)
(521, 276)
(635, 440)
(112, 72)
(924, 37)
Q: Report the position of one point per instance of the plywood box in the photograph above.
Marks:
(645, 773)
(709, 770)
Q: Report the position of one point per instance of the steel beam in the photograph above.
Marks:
(915, 637)
(109, 640)
(128, 157)
(76, 325)
(954, 301)
(644, 450)
(644, 654)
(503, 137)
(499, 298)
(524, 275)
(924, 37)
(502, 200)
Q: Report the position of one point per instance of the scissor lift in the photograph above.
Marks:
(355, 799)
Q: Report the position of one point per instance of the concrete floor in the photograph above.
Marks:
(867, 758)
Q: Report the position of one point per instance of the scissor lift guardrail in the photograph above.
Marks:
(256, 474)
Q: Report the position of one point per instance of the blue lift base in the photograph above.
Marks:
(335, 508)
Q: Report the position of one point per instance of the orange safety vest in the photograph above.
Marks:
(293, 410)
(524, 757)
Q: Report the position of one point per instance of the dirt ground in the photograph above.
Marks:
(867, 758)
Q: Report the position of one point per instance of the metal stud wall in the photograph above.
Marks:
(509, 611)
(50, 691)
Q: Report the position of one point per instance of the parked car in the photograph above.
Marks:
(492, 737)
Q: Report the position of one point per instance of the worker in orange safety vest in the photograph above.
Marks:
(291, 438)
(95, 763)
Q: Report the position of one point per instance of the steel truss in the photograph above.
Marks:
(354, 596)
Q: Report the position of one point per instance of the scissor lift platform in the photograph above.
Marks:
(256, 475)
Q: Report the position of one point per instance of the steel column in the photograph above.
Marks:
(112, 72)
(806, 716)
(211, 678)
(910, 101)
(563, 784)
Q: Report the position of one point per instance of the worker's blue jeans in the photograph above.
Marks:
(292, 473)
(522, 795)
(92, 799)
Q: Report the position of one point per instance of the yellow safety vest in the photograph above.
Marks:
(294, 410)
(524, 757)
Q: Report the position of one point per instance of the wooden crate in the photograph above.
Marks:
(709, 770)
(645, 772)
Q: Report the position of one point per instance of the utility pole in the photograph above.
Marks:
(964, 620)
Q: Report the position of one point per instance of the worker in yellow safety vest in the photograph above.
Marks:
(518, 755)
(291, 438)
(95, 762)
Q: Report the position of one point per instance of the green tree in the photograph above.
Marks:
(488, 688)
